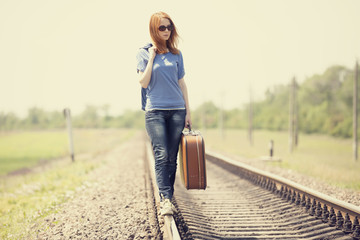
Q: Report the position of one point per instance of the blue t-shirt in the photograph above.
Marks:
(163, 91)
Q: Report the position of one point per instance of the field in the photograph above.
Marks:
(21, 150)
(25, 198)
(326, 158)
(26, 149)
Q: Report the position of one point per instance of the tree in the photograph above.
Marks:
(8, 121)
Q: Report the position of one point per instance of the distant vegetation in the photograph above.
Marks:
(324, 106)
(91, 117)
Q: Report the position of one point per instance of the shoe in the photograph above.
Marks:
(166, 207)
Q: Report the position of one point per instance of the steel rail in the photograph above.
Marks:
(170, 228)
(289, 188)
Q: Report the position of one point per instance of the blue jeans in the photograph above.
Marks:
(164, 128)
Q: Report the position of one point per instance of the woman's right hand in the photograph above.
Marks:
(152, 52)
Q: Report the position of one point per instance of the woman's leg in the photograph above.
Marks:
(175, 126)
(155, 122)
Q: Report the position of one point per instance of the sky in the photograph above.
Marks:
(73, 53)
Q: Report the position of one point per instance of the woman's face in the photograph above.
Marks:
(165, 35)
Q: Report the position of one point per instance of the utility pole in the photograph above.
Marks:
(203, 119)
(70, 135)
(296, 115)
(292, 120)
(250, 129)
(355, 113)
(221, 120)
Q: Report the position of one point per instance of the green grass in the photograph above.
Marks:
(323, 157)
(38, 196)
(26, 149)
(26, 199)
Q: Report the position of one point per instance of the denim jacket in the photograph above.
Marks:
(144, 90)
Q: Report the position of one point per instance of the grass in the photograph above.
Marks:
(323, 157)
(24, 199)
(38, 196)
(26, 149)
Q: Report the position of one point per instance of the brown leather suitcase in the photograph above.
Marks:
(192, 160)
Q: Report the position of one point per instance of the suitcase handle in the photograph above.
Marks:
(191, 132)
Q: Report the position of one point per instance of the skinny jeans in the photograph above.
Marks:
(164, 128)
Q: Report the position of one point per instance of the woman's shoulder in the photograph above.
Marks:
(179, 53)
(176, 52)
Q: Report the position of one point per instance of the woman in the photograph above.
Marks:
(165, 100)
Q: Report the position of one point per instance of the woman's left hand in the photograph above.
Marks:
(188, 122)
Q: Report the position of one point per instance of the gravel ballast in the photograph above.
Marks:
(116, 204)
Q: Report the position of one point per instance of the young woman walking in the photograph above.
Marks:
(165, 101)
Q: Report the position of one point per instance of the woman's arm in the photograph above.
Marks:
(186, 99)
(146, 75)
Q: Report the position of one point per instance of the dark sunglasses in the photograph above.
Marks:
(163, 28)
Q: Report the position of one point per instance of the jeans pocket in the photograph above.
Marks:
(149, 113)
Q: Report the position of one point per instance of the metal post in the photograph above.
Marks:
(271, 148)
(70, 135)
(355, 113)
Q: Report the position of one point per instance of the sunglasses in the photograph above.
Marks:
(163, 28)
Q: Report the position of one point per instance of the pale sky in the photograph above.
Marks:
(70, 53)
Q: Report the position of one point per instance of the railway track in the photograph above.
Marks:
(242, 202)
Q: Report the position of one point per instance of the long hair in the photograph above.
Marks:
(160, 44)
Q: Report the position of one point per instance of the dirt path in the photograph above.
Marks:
(117, 204)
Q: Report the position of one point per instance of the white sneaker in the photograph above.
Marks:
(166, 207)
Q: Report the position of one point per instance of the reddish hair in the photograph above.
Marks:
(160, 44)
